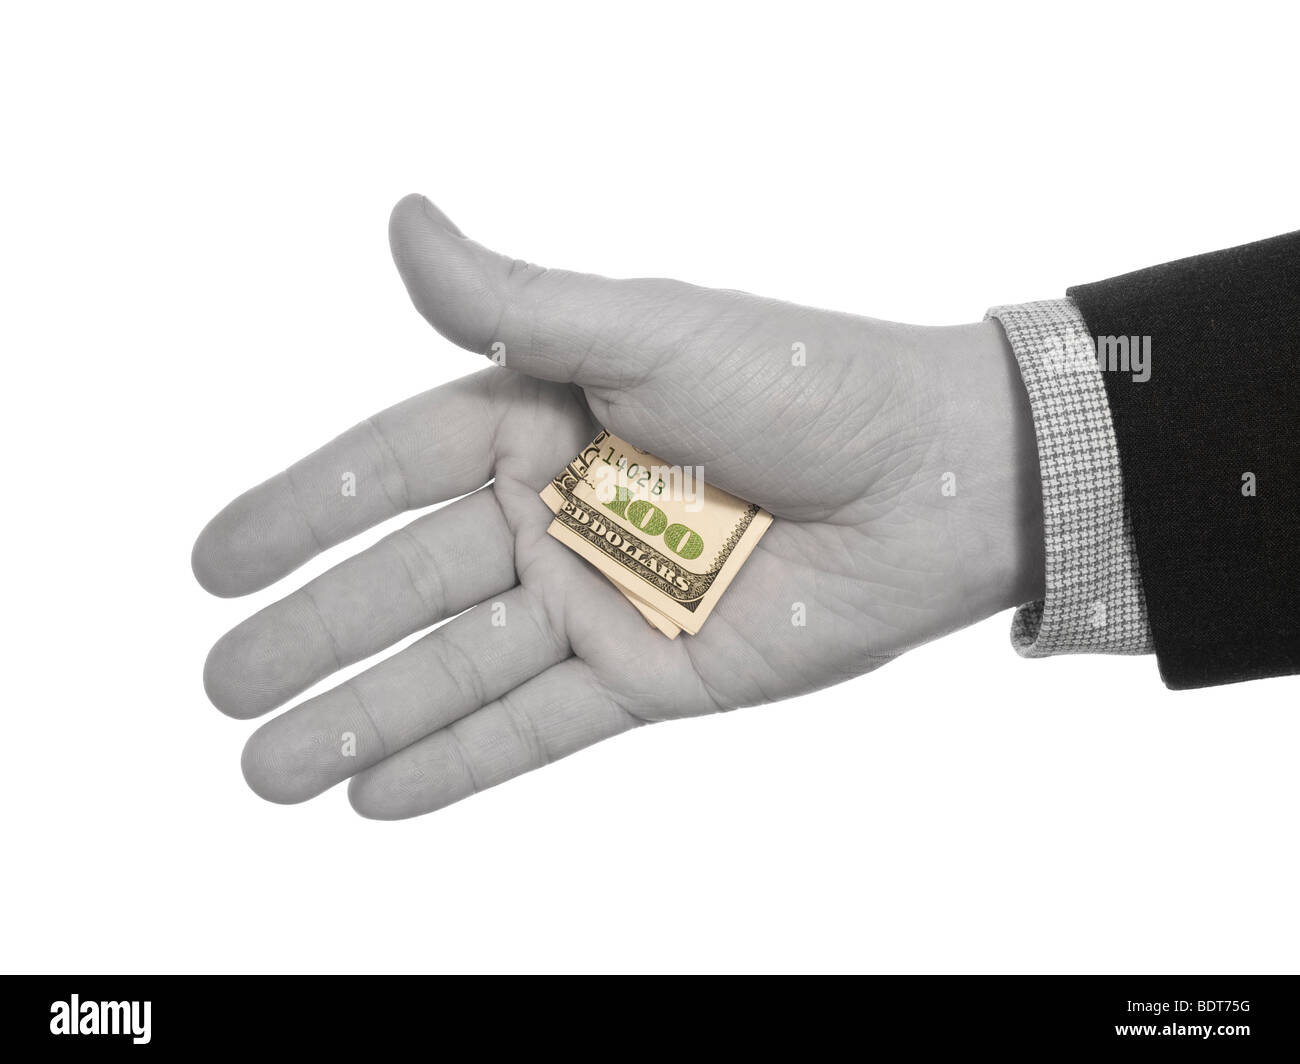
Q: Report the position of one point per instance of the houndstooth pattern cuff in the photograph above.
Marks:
(1093, 602)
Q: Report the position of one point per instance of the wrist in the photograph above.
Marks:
(1001, 523)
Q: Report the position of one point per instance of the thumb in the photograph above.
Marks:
(552, 324)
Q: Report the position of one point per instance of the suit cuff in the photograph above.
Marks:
(1093, 602)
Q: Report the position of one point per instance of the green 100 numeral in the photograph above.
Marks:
(648, 519)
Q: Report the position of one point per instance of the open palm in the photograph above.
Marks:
(897, 460)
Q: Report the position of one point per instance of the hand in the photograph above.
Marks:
(852, 451)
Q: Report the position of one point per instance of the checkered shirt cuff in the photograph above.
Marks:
(1093, 602)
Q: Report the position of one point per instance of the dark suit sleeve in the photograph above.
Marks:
(1209, 447)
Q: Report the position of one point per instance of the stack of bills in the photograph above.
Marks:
(667, 540)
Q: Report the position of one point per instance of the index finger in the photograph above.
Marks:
(430, 448)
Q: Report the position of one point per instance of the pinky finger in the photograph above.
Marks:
(557, 713)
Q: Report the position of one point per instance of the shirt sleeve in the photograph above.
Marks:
(1093, 601)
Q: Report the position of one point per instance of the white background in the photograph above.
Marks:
(197, 291)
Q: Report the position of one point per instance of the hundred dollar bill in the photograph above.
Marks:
(667, 540)
(652, 616)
